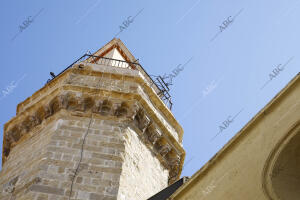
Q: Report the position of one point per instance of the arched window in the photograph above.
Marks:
(283, 172)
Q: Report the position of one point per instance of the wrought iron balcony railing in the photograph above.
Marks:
(159, 86)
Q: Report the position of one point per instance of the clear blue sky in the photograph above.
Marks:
(225, 75)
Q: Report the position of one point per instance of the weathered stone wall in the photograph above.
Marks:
(99, 170)
(22, 170)
(123, 80)
(46, 166)
(111, 79)
(142, 173)
(132, 141)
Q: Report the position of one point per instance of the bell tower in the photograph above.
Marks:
(98, 130)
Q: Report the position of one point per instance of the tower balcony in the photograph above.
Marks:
(158, 85)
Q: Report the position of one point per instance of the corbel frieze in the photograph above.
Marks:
(69, 101)
(106, 107)
(151, 133)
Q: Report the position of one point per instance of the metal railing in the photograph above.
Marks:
(160, 87)
(111, 62)
(164, 91)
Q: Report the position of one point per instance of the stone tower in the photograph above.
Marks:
(98, 130)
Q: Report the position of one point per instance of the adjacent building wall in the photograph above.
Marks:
(239, 170)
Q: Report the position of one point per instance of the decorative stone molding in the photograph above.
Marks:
(170, 158)
(67, 101)
(68, 79)
(142, 120)
(173, 159)
(163, 147)
(122, 110)
(153, 134)
(77, 102)
(106, 107)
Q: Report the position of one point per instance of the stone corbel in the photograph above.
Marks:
(174, 165)
(174, 160)
(80, 104)
(16, 132)
(145, 123)
(173, 176)
(54, 105)
(63, 101)
(88, 103)
(96, 106)
(47, 111)
(35, 120)
(142, 120)
(138, 116)
(133, 112)
(29, 123)
(163, 147)
(122, 110)
(40, 113)
(106, 107)
(153, 134)
(72, 103)
(24, 128)
(12, 138)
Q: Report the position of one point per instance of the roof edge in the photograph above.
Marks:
(229, 144)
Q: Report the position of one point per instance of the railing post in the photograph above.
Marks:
(160, 84)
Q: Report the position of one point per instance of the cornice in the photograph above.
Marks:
(115, 105)
(113, 73)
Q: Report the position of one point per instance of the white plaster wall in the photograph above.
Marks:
(142, 174)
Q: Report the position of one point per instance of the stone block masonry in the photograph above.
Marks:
(140, 164)
(57, 156)
(45, 169)
(94, 132)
